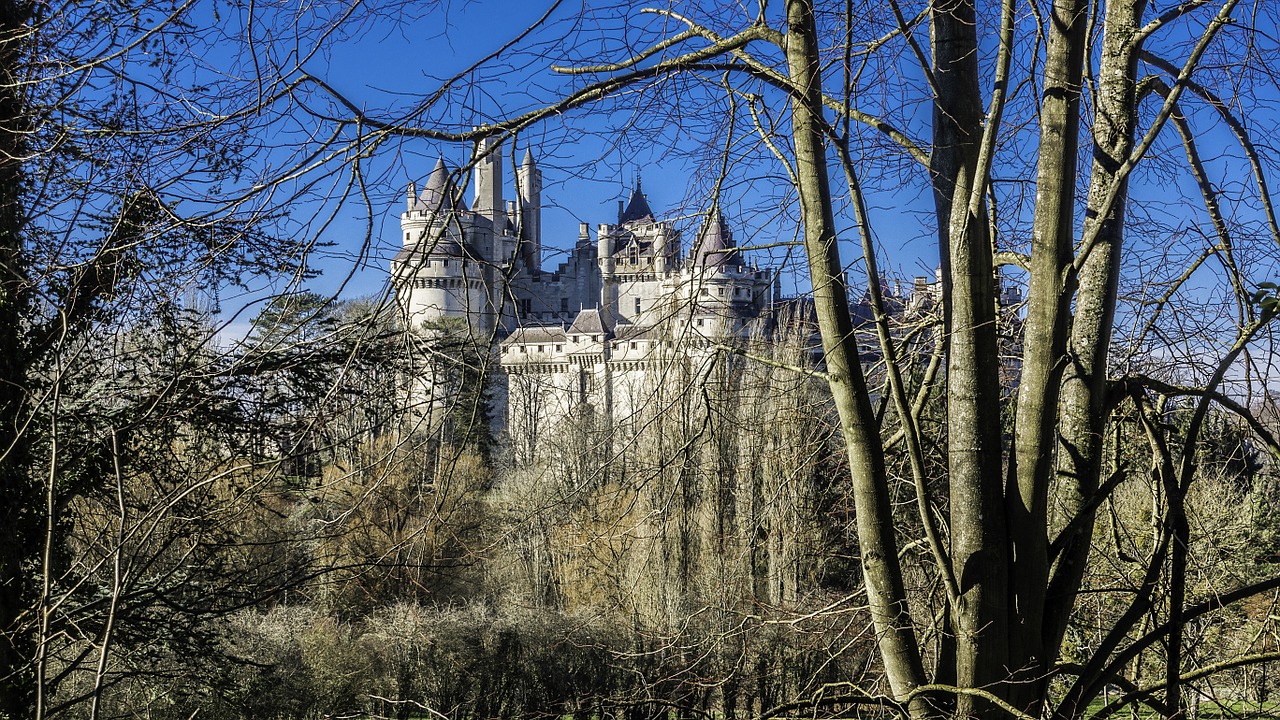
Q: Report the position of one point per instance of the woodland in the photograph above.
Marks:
(1062, 510)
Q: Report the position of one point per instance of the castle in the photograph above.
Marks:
(483, 264)
(594, 331)
(592, 325)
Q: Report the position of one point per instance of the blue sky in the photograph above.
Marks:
(590, 157)
(385, 65)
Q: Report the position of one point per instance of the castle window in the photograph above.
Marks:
(633, 346)
(700, 322)
(541, 349)
(720, 292)
(564, 304)
(637, 306)
(444, 263)
(559, 348)
(406, 237)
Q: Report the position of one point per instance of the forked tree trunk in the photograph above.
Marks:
(979, 533)
(1044, 350)
(1081, 415)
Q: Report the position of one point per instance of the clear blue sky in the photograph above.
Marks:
(387, 64)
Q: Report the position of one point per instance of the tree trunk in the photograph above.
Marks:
(979, 539)
(1081, 416)
(1044, 349)
(877, 544)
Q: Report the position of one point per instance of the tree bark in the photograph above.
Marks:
(1044, 349)
(1081, 414)
(877, 544)
(979, 540)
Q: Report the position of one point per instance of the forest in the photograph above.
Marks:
(222, 496)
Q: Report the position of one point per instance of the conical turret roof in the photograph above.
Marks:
(716, 248)
(439, 192)
(637, 208)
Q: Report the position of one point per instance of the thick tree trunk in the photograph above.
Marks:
(979, 539)
(1081, 416)
(1044, 349)
(877, 544)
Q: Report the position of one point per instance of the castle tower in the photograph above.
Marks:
(608, 278)
(436, 274)
(529, 178)
(488, 184)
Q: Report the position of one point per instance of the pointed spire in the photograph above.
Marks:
(716, 248)
(439, 193)
(528, 158)
(637, 207)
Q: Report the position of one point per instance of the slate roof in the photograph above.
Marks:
(716, 248)
(588, 322)
(439, 192)
(637, 208)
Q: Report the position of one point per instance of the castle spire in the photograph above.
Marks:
(716, 247)
(637, 208)
(529, 178)
(439, 193)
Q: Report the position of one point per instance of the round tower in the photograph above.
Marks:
(436, 278)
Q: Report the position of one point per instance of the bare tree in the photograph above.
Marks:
(123, 209)
(1136, 327)
(839, 91)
